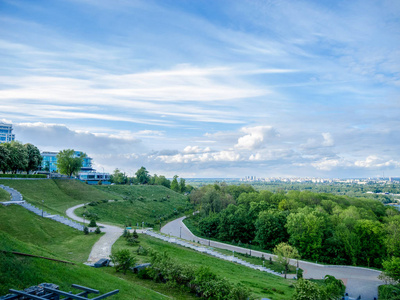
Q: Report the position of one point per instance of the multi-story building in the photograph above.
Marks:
(49, 162)
(6, 134)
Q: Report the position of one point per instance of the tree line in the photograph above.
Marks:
(142, 176)
(17, 157)
(323, 227)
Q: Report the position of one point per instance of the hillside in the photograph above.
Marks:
(142, 203)
(55, 196)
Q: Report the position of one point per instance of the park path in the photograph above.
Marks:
(359, 281)
(102, 248)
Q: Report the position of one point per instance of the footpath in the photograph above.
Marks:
(359, 281)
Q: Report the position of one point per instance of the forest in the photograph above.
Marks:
(324, 227)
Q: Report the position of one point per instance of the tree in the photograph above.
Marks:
(391, 269)
(34, 158)
(123, 259)
(68, 163)
(393, 236)
(285, 253)
(270, 228)
(18, 156)
(175, 185)
(4, 158)
(142, 176)
(182, 185)
(118, 177)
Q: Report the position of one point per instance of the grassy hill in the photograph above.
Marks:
(262, 284)
(57, 194)
(4, 196)
(141, 203)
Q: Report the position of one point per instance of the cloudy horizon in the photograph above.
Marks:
(207, 89)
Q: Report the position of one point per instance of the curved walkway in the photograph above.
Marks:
(359, 281)
(102, 248)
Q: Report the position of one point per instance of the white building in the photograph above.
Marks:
(6, 134)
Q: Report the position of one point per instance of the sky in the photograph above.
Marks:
(207, 89)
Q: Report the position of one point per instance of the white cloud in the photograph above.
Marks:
(328, 139)
(374, 161)
(255, 137)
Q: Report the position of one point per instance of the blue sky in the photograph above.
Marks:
(207, 88)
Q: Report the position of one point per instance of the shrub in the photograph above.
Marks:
(131, 241)
(97, 231)
(92, 223)
(85, 230)
(122, 260)
(134, 234)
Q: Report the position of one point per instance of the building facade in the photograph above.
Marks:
(94, 177)
(6, 134)
(49, 162)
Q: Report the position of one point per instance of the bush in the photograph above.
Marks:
(85, 230)
(92, 223)
(122, 260)
(97, 231)
(131, 241)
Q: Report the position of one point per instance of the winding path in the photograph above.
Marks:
(359, 281)
(102, 248)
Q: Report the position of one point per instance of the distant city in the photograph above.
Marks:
(321, 180)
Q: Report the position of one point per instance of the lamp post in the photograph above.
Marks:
(209, 239)
(180, 232)
(84, 220)
(250, 248)
(42, 207)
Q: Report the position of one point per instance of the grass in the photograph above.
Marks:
(4, 196)
(59, 240)
(55, 195)
(18, 272)
(262, 285)
(142, 203)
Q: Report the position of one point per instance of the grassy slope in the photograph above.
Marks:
(260, 283)
(59, 240)
(58, 195)
(134, 210)
(4, 196)
(19, 272)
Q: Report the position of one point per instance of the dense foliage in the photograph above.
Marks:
(143, 177)
(16, 157)
(323, 227)
(198, 280)
(68, 163)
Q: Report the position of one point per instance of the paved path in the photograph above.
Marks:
(359, 281)
(102, 248)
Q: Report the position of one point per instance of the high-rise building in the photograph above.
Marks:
(6, 134)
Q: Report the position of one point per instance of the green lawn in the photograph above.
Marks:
(141, 203)
(55, 196)
(262, 284)
(19, 272)
(57, 239)
(4, 196)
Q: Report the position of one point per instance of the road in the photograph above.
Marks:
(359, 281)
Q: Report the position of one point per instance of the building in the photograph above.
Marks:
(6, 134)
(94, 177)
(49, 162)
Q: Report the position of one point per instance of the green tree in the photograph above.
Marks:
(161, 180)
(175, 185)
(34, 158)
(393, 236)
(68, 163)
(123, 260)
(18, 156)
(4, 158)
(284, 253)
(306, 230)
(270, 228)
(391, 267)
(182, 185)
(307, 290)
(118, 177)
(142, 176)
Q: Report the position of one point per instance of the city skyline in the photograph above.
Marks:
(207, 89)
